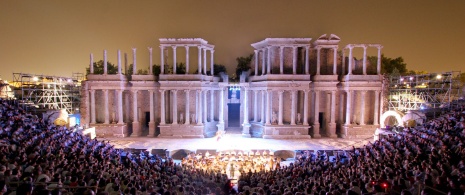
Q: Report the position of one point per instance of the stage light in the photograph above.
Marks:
(35, 78)
(438, 76)
(401, 79)
(411, 78)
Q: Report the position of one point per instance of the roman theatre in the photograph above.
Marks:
(297, 88)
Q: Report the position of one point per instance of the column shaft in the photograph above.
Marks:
(91, 64)
(187, 66)
(205, 111)
(174, 60)
(120, 106)
(348, 107)
(335, 61)
(151, 110)
(134, 61)
(212, 105)
(280, 112)
(362, 109)
(294, 60)
(281, 60)
(378, 64)
(268, 110)
(268, 63)
(205, 62)
(105, 68)
(305, 119)
(255, 106)
(162, 58)
(221, 114)
(364, 60)
(318, 60)
(105, 106)
(200, 113)
(333, 107)
(134, 106)
(150, 61)
(317, 107)
(350, 61)
(199, 59)
(174, 105)
(262, 115)
(293, 106)
(92, 106)
(263, 61)
(376, 111)
(212, 68)
(119, 61)
(197, 106)
(307, 48)
(187, 112)
(256, 62)
(162, 107)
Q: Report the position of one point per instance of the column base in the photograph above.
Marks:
(151, 129)
(135, 129)
(220, 126)
(316, 131)
(332, 130)
(345, 129)
(246, 130)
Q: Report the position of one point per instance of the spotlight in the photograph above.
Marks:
(35, 78)
(438, 76)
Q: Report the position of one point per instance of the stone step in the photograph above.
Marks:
(233, 130)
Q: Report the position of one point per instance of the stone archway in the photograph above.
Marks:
(395, 114)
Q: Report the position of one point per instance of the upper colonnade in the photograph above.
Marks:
(202, 48)
(350, 47)
(326, 42)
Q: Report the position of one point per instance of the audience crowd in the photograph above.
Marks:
(37, 157)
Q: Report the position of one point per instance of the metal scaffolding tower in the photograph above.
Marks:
(49, 92)
(425, 91)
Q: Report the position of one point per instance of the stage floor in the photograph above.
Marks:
(236, 142)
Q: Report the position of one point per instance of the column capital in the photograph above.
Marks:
(255, 91)
(135, 90)
(212, 51)
(199, 47)
(307, 47)
(150, 49)
(134, 49)
(186, 90)
(363, 91)
(174, 47)
(281, 48)
(174, 90)
(162, 47)
(280, 92)
(151, 90)
(92, 90)
(255, 51)
(187, 47)
(306, 90)
(162, 90)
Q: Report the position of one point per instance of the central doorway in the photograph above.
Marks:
(234, 115)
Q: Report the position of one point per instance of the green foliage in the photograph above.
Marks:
(217, 68)
(243, 64)
(130, 71)
(180, 68)
(415, 72)
(98, 68)
(156, 69)
(388, 65)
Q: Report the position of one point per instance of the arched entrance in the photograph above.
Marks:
(397, 117)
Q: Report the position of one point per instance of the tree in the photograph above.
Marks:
(217, 68)
(139, 71)
(156, 69)
(180, 68)
(388, 65)
(98, 68)
(243, 64)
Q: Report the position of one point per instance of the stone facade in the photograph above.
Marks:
(295, 89)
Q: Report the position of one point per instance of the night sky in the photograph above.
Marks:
(55, 37)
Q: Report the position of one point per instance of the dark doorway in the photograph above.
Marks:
(234, 111)
(147, 119)
(322, 120)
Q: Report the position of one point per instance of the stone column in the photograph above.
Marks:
(246, 125)
(205, 62)
(134, 62)
(376, 111)
(364, 60)
(255, 106)
(150, 61)
(199, 59)
(318, 60)
(105, 106)
(187, 64)
(220, 124)
(212, 69)
(262, 110)
(350, 61)
(316, 122)
(91, 65)
(256, 61)
(174, 59)
(120, 106)
(205, 111)
(281, 60)
(174, 105)
(305, 119)
(307, 48)
(263, 61)
(268, 63)
(343, 61)
(332, 120)
(197, 106)
(105, 68)
(152, 115)
(280, 112)
(162, 107)
(378, 64)
(187, 116)
(268, 106)
(212, 105)
(362, 109)
(162, 58)
(199, 111)
(293, 106)
(294, 60)
(119, 62)
(92, 106)
(335, 61)
(135, 123)
(348, 107)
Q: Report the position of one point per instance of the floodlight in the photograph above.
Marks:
(35, 78)
(438, 76)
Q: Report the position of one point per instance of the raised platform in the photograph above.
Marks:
(110, 130)
(280, 131)
(181, 131)
(359, 131)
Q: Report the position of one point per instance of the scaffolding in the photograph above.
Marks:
(49, 92)
(425, 91)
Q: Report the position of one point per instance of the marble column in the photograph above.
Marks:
(119, 61)
(105, 106)
(294, 60)
(316, 122)
(220, 124)
(204, 106)
(174, 105)
(362, 109)
(134, 61)
(332, 120)
(376, 111)
(187, 112)
(281, 60)
(92, 106)
(162, 58)
(263, 62)
(307, 48)
(246, 125)
(162, 107)
(364, 60)
(135, 123)
(205, 62)
(335, 61)
(212, 68)
(91, 65)
(262, 115)
(343, 71)
(293, 106)
(268, 106)
(318, 60)
(174, 59)
(120, 106)
(378, 64)
(199, 59)
(187, 64)
(256, 61)
(348, 106)
(150, 61)
(280, 112)
(152, 115)
(212, 105)
(305, 119)
(105, 64)
(255, 106)
(268, 56)
(199, 110)
(350, 61)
